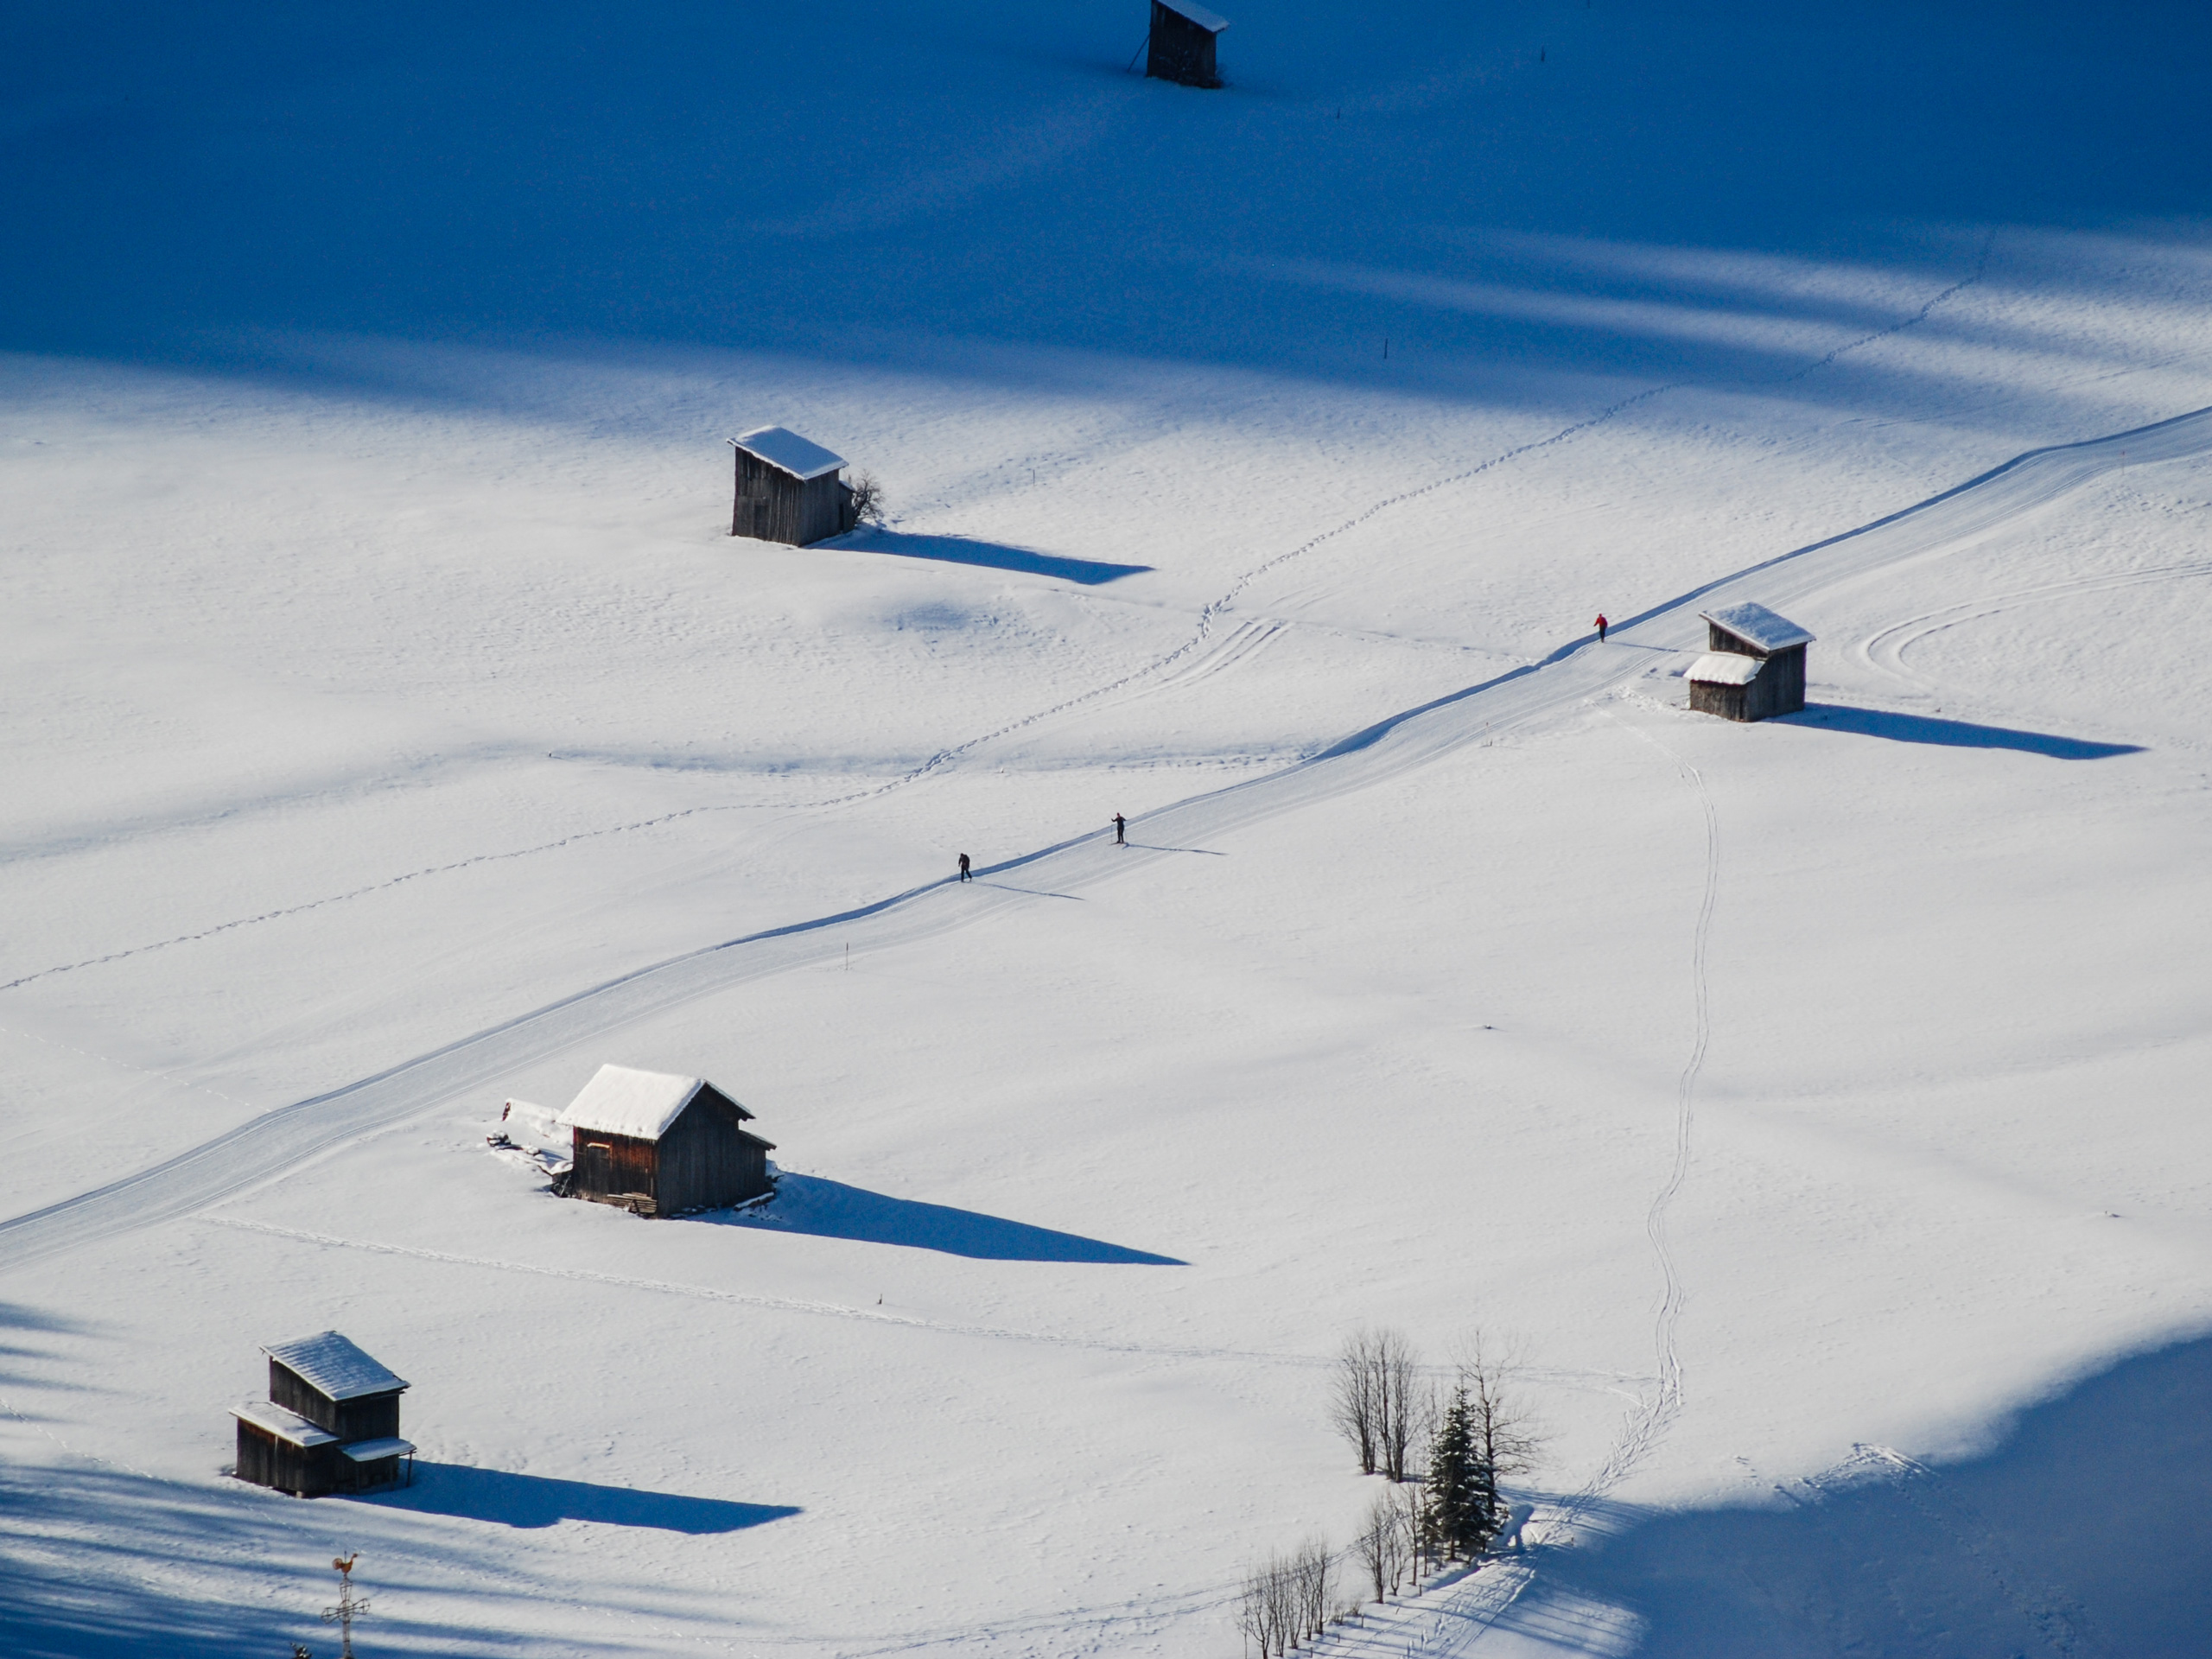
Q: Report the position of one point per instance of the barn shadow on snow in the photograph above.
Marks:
(823, 1209)
(1952, 733)
(960, 549)
(529, 1502)
(2081, 1531)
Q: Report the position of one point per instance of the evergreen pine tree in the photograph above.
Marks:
(1450, 1485)
(1461, 1492)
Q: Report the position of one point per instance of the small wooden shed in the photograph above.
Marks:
(1181, 45)
(1754, 667)
(661, 1145)
(788, 489)
(331, 1422)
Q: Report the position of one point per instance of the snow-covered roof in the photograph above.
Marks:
(284, 1425)
(1756, 625)
(622, 1100)
(1725, 668)
(370, 1451)
(782, 448)
(333, 1367)
(1208, 21)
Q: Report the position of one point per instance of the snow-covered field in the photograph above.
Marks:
(391, 729)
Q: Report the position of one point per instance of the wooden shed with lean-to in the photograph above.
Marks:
(1181, 45)
(1754, 667)
(661, 1145)
(787, 489)
(331, 1422)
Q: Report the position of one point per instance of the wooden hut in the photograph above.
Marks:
(1754, 667)
(1181, 45)
(331, 1422)
(660, 1144)
(788, 489)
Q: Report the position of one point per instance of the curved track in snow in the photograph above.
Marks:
(1886, 650)
(279, 1140)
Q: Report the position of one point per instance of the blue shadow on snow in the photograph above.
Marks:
(533, 1501)
(2081, 1529)
(821, 1209)
(1954, 734)
(959, 549)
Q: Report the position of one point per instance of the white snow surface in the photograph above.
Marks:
(393, 730)
(1750, 620)
(1725, 668)
(335, 1365)
(802, 458)
(283, 1424)
(1211, 22)
(622, 1100)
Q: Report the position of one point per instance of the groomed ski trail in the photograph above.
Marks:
(279, 1140)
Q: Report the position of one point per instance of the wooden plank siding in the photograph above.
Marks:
(701, 1161)
(706, 1163)
(1178, 50)
(770, 506)
(302, 1470)
(1779, 688)
(371, 1417)
(611, 1167)
(267, 1459)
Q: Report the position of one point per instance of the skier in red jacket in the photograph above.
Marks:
(1601, 627)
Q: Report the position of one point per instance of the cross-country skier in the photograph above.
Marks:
(965, 876)
(1120, 824)
(1601, 627)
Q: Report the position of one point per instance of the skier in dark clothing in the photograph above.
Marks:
(1120, 822)
(1601, 627)
(965, 876)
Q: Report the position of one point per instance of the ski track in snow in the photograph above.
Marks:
(1885, 650)
(1196, 663)
(1452, 1621)
(269, 1145)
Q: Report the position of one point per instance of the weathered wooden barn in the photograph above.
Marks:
(788, 489)
(660, 1144)
(1181, 45)
(1754, 667)
(331, 1422)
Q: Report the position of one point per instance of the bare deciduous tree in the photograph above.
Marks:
(1287, 1599)
(1353, 1407)
(866, 504)
(1315, 1570)
(1376, 1400)
(1508, 1436)
(1385, 1545)
(1267, 1610)
(1397, 1387)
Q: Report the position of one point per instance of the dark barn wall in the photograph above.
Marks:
(1787, 670)
(372, 1475)
(706, 1163)
(372, 1417)
(1180, 50)
(302, 1470)
(1725, 701)
(289, 1390)
(1719, 639)
(770, 506)
(1779, 688)
(627, 1166)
